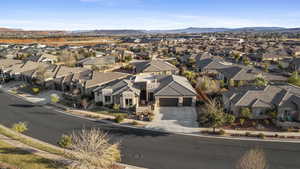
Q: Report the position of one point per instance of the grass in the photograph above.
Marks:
(23, 159)
(30, 142)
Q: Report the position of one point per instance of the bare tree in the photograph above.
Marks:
(92, 150)
(253, 159)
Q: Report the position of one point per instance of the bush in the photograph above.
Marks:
(222, 132)
(20, 127)
(267, 122)
(229, 118)
(261, 135)
(242, 121)
(54, 98)
(93, 149)
(65, 141)
(246, 113)
(151, 117)
(135, 123)
(248, 134)
(36, 90)
(119, 119)
(116, 107)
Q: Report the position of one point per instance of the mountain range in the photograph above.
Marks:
(173, 31)
(192, 30)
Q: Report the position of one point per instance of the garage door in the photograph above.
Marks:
(168, 102)
(187, 101)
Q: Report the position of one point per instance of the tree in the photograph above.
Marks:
(213, 115)
(294, 79)
(236, 57)
(92, 149)
(207, 85)
(189, 75)
(20, 127)
(246, 61)
(253, 159)
(191, 61)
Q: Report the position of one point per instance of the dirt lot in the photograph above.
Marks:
(60, 41)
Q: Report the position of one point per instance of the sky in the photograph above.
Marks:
(147, 14)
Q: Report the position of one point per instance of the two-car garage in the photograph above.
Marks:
(173, 102)
(168, 102)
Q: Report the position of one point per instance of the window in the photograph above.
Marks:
(128, 102)
(107, 99)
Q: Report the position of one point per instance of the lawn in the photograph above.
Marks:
(23, 159)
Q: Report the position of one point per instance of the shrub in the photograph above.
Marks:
(93, 149)
(54, 98)
(119, 119)
(36, 90)
(267, 122)
(230, 119)
(246, 113)
(151, 117)
(65, 141)
(222, 132)
(116, 107)
(20, 127)
(261, 135)
(242, 121)
(247, 134)
(135, 123)
(253, 123)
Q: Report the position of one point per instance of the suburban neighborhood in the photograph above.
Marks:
(135, 84)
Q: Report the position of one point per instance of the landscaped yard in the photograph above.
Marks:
(29, 142)
(23, 159)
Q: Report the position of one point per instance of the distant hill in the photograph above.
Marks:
(211, 30)
(9, 30)
(109, 32)
(190, 30)
(16, 32)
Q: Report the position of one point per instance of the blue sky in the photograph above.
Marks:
(147, 14)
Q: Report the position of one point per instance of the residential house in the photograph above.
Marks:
(145, 90)
(155, 67)
(247, 74)
(99, 79)
(285, 99)
(99, 63)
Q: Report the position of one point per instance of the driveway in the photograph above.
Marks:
(175, 119)
(148, 149)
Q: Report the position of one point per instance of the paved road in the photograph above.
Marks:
(145, 149)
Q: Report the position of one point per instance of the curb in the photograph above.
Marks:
(160, 131)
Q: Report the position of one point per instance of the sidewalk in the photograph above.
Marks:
(197, 131)
(34, 151)
(45, 154)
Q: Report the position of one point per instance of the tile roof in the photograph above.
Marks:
(154, 66)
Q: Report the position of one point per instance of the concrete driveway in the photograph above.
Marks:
(175, 119)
